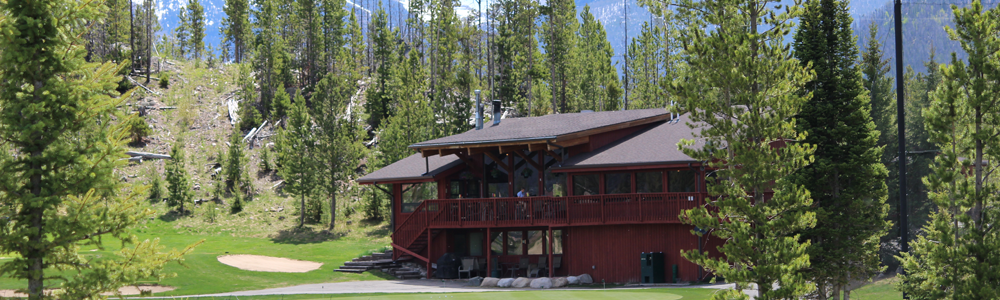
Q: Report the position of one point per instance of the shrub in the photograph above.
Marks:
(265, 160)
(156, 187)
(138, 128)
(164, 80)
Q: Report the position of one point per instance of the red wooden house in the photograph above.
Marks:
(599, 188)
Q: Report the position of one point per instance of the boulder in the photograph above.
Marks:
(586, 279)
(541, 283)
(506, 282)
(475, 281)
(559, 282)
(573, 280)
(521, 282)
(490, 282)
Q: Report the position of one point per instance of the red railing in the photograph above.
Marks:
(551, 211)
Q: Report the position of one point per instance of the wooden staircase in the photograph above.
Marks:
(412, 234)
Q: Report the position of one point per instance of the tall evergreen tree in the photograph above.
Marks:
(447, 98)
(846, 179)
(196, 25)
(957, 255)
(236, 28)
(183, 32)
(644, 69)
(514, 44)
(295, 151)
(338, 135)
(742, 92)
(178, 181)
(414, 118)
(378, 104)
(59, 188)
(560, 47)
(599, 86)
(233, 168)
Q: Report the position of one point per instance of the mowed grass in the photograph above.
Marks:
(630, 294)
(884, 289)
(202, 273)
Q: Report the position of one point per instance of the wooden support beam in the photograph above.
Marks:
(479, 150)
(509, 149)
(531, 162)
(569, 143)
(471, 163)
(499, 161)
(554, 155)
(446, 152)
(429, 153)
(537, 147)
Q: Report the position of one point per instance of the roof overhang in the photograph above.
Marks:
(548, 143)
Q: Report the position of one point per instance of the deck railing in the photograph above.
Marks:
(553, 211)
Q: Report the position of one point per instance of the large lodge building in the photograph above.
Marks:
(599, 188)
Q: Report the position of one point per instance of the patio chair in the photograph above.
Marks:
(479, 266)
(542, 266)
(533, 270)
(466, 267)
(514, 268)
(523, 264)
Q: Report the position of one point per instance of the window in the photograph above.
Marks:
(618, 183)
(496, 243)
(414, 194)
(536, 242)
(649, 182)
(555, 183)
(476, 244)
(682, 181)
(515, 242)
(526, 177)
(585, 184)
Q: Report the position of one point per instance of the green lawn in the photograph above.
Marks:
(203, 274)
(879, 290)
(631, 294)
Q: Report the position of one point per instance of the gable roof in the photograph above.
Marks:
(548, 127)
(412, 168)
(654, 145)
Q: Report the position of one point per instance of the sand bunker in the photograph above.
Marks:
(268, 263)
(128, 290)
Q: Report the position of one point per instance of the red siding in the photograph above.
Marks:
(613, 251)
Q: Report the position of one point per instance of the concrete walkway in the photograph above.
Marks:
(398, 286)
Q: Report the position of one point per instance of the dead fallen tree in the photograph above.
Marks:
(145, 155)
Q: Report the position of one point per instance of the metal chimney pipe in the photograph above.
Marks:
(479, 111)
(497, 113)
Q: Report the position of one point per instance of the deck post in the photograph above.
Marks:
(531, 210)
(429, 253)
(461, 220)
(552, 272)
(639, 198)
(602, 208)
(489, 250)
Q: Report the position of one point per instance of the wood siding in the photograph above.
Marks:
(612, 252)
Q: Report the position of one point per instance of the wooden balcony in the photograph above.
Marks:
(433, 215)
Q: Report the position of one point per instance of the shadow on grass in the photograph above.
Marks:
(304, 235)
(381, 231)
(172, 215)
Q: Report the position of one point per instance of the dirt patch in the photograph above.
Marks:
(268, 263)
(125, 291)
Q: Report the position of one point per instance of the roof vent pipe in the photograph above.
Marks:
(497, 113)
(479, 111)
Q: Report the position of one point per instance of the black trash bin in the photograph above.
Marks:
(652, 266)
(447, 266)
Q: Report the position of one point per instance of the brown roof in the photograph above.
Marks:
(656, 144)
(543, 128)
(412, 168)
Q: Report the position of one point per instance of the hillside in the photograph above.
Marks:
(193, 108)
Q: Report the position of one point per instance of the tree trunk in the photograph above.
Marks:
(847, 291)
(333, 209)
(821, 291)
(302, 211)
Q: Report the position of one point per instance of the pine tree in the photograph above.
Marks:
(644, 69)
(178, 181)
(846, 179)
(560, 46)
(514, 44)
(59, 189)
(236, 177)
(414, 117)
(599, 86)
(295, 148)
(957, 255)
(446, 97)
(378, 104)
(742, 92)
(183, 32)
(280, 105)
(334, 31)
(236, 28)
(339, 135)
(196, 25)
(155, 186)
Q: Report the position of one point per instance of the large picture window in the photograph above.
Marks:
(586, 184)
(536, 242)
(414, 194)
(617, 183)
(515, 243)
(683, 181)
(649, 182)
